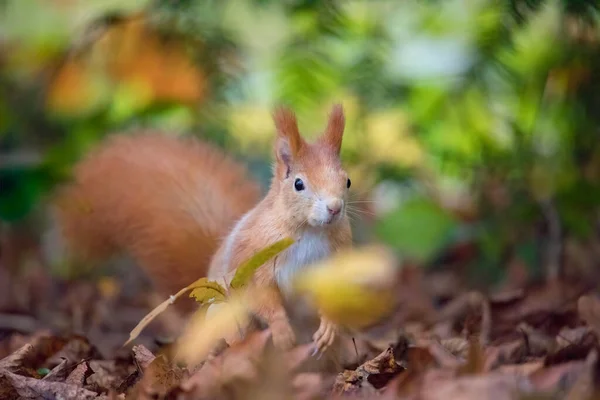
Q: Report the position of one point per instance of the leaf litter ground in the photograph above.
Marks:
(64, 340)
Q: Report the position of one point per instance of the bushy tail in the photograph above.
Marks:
(165, 201)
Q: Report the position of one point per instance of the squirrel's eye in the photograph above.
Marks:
(348, 183)
(298, 184)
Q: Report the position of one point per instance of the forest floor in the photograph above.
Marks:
(65, 340)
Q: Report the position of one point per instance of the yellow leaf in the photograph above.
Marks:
(202, 282)
(205, 290)
(353, 288)
(245, 271)
(204, 331)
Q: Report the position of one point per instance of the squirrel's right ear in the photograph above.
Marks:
(289, 141)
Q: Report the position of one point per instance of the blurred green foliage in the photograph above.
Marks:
(496, 100)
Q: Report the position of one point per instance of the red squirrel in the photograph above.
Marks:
(183, 209)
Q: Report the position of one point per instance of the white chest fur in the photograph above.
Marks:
(310, 248)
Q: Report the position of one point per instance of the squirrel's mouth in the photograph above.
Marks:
(322, 222)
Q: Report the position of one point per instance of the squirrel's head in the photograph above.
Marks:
(309, 177)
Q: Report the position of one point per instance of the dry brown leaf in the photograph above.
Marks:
(589, 310)
(27, 359)
(158, 379)
(444, 357)
(419, 359)
(538, 343)
(107, 375)
(76, 349)
(60, 372)
(557, 377)
(507, 353)
(14, 386)
(585, 386)
(492, 386)
(236, 365)
(142, 357)
(457, 346)
(567, 336)
(79, 374)
(375, 373)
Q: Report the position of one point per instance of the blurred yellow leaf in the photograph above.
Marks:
(252, 127)
(353, 288)
(390, 141)
(205, 290)
(245, 271)
(205, 331)
(109, 287)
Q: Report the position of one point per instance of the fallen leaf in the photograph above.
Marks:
(490, 386)
(557, 377)
(458, 346)
(142, 357)
(79, 374)
(159, 378)
(237, 364)
(567, 336)
(30, 357)
(60, 372)
(589, 311)
(537, 342)
(17, 386)
(507, 353)
(77, 348)
(585, 386)
(374, 373)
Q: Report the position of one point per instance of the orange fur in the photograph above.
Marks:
(165, 201)
(283, 213)
(173, 204)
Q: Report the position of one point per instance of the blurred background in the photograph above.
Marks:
(472, 125)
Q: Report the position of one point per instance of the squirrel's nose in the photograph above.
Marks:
(334, 206)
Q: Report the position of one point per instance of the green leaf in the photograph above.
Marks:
(247, 269)
(21, 189)
(204, 290)
(418, 229)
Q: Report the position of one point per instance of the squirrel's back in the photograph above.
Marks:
(165, 201)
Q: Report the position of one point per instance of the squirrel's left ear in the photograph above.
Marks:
(334, 132)
(289, 141)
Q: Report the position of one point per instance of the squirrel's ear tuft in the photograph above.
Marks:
(334, 132)
(289, 141)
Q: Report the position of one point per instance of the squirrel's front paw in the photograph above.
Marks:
(283, 335)
(325, 335)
